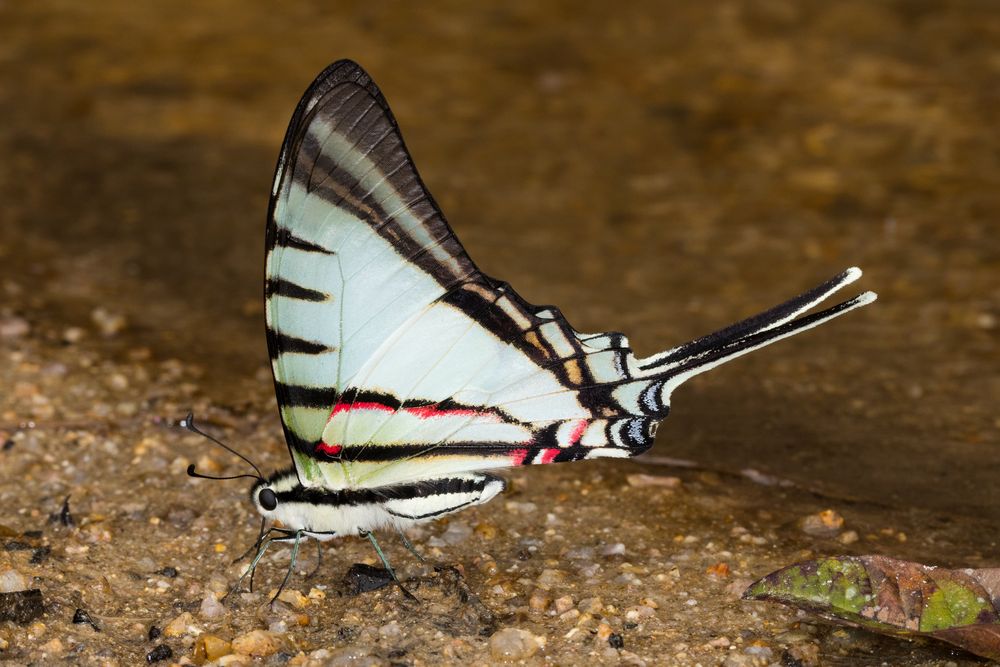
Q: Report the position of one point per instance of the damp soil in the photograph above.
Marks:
(657, 169)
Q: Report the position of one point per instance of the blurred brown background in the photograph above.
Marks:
(657, 168)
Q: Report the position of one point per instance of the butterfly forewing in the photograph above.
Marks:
(355, 246)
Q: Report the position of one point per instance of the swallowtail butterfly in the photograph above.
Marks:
(403, 373)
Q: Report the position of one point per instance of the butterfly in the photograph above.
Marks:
(404, 375)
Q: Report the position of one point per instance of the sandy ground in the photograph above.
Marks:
(688, 165)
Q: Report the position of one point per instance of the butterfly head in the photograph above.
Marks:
(270, 496)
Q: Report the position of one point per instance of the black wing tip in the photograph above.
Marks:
(344, 69)
(340, 72)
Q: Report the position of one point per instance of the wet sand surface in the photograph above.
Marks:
(659, 170)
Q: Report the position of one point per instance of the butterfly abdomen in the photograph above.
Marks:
(322, 511)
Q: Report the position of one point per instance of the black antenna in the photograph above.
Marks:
(192, 473)
(188, 423)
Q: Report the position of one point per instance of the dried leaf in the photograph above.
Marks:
(894, 597)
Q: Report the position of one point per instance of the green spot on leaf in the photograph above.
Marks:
(840, 584)
(952, 605)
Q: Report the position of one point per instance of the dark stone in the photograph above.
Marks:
(154, 633)
(524, 554)
(22, 607)
(32, 534)
(362, 578)
(16, 546)
(630, 625)
(161, 652)
(789, 660)
(169, 572)
(81, 616)
(40, 555)
(8, 445)
(616, 641)
(63, 516)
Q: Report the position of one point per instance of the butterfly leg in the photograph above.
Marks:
(409, 545)
(291, 565)
(264, 544)
(261, 534)
(385, 564)
(319, 560)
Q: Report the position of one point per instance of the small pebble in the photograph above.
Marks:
(294, 598)
(12, 581)
(211, 607)
(764, 652)
(390, 631)
(232, 660)
(209, 647)
(108, 323)
(640, 479)
(180, 626)
(258, 643)
(564, 604)
(351, 656)
(456, 533)
(822, 524)
(487, 531)
(616, 549)
(580, 553)
(848, 537)
(118, 382)
(638, 613)
(14, 327)
(551, 577)
(539, 600)
(53, 647)
(616, 641)
(73, 335)
(603, 632)
(513, 644)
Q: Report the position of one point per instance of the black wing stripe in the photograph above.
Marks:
(307, 397)
(285, 239)
(379, 495)
(282, 287)
(285, 343)
(431, 515)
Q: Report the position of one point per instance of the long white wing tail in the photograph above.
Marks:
(676, 365)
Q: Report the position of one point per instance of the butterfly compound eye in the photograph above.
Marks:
(267, 499)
